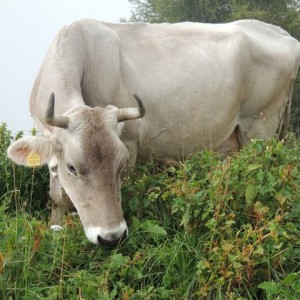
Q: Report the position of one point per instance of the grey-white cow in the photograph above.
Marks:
(202, 85)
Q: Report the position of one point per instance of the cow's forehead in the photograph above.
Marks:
(85, 120)
(81, 115)
(91, 131)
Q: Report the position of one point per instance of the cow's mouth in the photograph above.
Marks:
(112, 243)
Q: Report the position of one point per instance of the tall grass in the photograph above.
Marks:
(210, 229)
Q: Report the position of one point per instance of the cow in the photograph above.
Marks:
(202, 86)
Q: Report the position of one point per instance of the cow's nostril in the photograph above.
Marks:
(111, 243)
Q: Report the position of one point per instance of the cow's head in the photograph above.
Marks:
(85, 152)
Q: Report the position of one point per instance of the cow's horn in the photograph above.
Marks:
(52, 120)
(132, 113)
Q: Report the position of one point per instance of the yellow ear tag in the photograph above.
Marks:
(33, 159)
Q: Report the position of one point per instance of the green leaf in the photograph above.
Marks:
(251, 193)
(211, 223)
(167, 279)
(117, 261)
(259, 251)
(270, 287)
(291, 278)
(281, 198)
(229, 223)
(153, 229)
(253, 167)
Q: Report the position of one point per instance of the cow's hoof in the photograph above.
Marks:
(56, 227)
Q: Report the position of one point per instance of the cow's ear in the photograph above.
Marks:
(19, 150)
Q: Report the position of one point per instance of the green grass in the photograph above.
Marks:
(211, 229)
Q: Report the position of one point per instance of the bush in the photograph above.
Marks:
(211, 228)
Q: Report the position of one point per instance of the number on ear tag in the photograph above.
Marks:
(33, 159)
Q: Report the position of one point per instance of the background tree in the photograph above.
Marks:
(284, 13)
(151, 11)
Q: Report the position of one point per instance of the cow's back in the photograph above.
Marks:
(197, 81)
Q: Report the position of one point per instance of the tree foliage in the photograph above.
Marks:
(284, 13)
(177, 11)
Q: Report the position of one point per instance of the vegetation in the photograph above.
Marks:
(212, 228)
(23, 188)
(284, 13)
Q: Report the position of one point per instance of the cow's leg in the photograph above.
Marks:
(59, 199)
(58, 208)
(232, 143)
(285, 119)
(61, 203)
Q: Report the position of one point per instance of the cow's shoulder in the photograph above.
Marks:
(86, 29)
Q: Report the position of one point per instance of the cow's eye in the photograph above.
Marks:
(72, 169)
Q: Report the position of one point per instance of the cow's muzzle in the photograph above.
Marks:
(107, 236)
(112, 243)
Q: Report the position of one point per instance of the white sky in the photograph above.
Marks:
(27, 27)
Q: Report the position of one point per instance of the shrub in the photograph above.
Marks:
(211, 228)
(243, 211)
